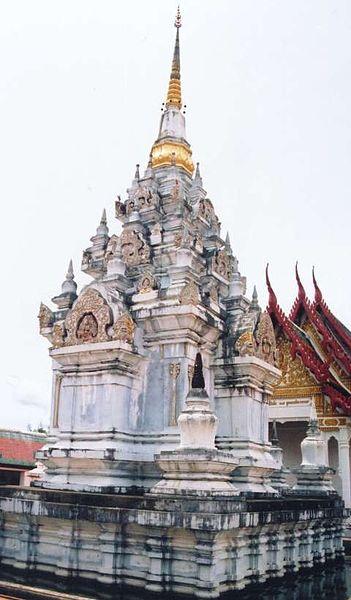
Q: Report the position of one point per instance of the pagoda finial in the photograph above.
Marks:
(102, 229)
(317, 293)
(137, 173)
(254, 300)
(69, 285)
(174, 95)
(198, 381)
(302, 292)
(272, 301)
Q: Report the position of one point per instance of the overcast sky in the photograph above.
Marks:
(268, 94)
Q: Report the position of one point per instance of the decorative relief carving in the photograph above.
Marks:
(245, 344)
(189, 294)
(143, 197)
(265, 339)
(120, 209)
(221, 264)
(46, 317)
(206, 211)
(147, 283)
(174, 371)
(111, 247)
(294, 373)
(134, 248)
(124, 328)
(88, 320)
(261, 344)
(87, 328)
(58, 334)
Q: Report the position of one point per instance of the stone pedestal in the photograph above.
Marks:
(314, 475)
(242, 387)
(196, 467)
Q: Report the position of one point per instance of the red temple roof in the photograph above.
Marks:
(334, 351)
(18, 448)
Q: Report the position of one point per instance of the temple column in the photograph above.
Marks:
(344, 466)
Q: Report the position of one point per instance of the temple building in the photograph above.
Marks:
(314, 356)
(159, 472)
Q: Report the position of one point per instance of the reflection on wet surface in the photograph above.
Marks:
(332, 583)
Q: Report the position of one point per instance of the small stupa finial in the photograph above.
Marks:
(254, 299)
(102, 229)
(137, 173)
(198, 381)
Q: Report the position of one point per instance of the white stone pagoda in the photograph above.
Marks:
(159, 472)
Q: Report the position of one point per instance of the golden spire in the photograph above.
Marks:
(174, 95)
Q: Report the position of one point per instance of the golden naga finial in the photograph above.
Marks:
(174, 95)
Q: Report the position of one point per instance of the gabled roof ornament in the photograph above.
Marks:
(302, 293)
(272, 299)
(317, 293)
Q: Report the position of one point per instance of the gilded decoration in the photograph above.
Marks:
(245, 344)
(124, 328)
(46, 317)
(266, 348)
(294, 373)
(189, 294)
(134, 248)
(221, 264)
(170, 153)
(88, 320)
(147, 283)
(261, 343)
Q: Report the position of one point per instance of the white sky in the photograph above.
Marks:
(268, 94)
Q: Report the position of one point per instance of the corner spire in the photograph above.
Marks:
(174, 95)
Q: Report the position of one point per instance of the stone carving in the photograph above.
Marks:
(265, 339)
(214, 293)
(87, 328)
(174, 371)
(89, 312)
(245, 344)
(124, 328)
(189, 294)
(58, 334)
(221, 264)
(147, 283)
(46, 317)
(206, 211)
(175, 194)
(111, 247)
(135, 250)
(120, 209)
(143, 197)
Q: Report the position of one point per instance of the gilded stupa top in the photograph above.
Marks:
(171, 147)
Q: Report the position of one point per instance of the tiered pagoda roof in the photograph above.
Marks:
(319, 339)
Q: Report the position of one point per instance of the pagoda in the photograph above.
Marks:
(159, 470)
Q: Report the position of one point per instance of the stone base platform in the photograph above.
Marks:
(196, 547)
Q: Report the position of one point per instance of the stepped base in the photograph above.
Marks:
(198, 547)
